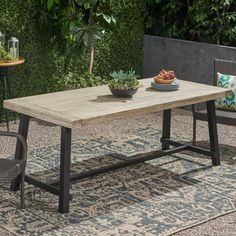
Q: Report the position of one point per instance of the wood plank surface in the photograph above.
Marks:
(74, 108)
(4, 63)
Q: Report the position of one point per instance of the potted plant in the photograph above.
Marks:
(4, 55)
(123, 84)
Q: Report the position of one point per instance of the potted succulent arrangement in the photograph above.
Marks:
(123, 84)
(4, 55)
(12, 51)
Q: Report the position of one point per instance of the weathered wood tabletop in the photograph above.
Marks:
(74, 108)
(10, 63)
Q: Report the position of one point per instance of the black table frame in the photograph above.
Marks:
(5, 75)
(63, 191)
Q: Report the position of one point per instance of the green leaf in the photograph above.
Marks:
(113, 19)
(50, 4)
(107, 18)
(87, 5)
(86, 39)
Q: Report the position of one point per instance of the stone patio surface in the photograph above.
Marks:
(41, 135)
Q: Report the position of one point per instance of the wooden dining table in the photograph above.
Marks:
(73, 109)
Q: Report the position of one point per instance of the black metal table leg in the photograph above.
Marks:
(23, 130)
(166, 123)
(65, 156)
(214, 145)
(6, 97)
(8, 91)
(65, 161)
(4, 74)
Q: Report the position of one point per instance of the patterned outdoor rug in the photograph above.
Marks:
(156, 198)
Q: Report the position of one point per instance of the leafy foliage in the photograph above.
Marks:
(4, 55)
(123, 80)
(50, 60)
(200, 20)
(18, 18)
(123, 45)
(118, 49)
(214, 21)
(85, 80)
(80, 20)
(167, 18)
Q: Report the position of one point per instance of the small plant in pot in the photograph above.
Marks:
(123, 84)
(4, 55)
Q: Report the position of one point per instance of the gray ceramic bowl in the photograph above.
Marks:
(124, 93)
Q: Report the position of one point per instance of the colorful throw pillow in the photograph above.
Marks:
(227, 103)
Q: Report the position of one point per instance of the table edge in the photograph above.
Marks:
(77, 123)
(12, 63)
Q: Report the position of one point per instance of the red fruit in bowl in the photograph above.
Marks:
(165, 76)
(171, 74)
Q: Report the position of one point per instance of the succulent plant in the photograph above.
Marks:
(4, 55)
(123, 80)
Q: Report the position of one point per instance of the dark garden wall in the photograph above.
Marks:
(191, 61)
(50, 59)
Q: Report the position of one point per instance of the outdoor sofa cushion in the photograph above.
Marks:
(227, 103)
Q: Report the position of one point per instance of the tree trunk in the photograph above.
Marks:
(91, 61)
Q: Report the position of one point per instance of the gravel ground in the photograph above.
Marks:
(41, 135)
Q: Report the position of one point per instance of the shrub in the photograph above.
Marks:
(203, 20)
(50, 59)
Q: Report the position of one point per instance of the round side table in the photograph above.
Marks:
(5, 67)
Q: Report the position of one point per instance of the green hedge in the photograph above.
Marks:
(210, 21)
(123, 47)
(50, 59)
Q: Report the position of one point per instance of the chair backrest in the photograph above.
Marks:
(223, 67)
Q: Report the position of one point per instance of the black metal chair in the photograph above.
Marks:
(10, 169)
(222, 117)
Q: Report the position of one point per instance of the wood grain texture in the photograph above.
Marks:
(11, 63)
(74, 108)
